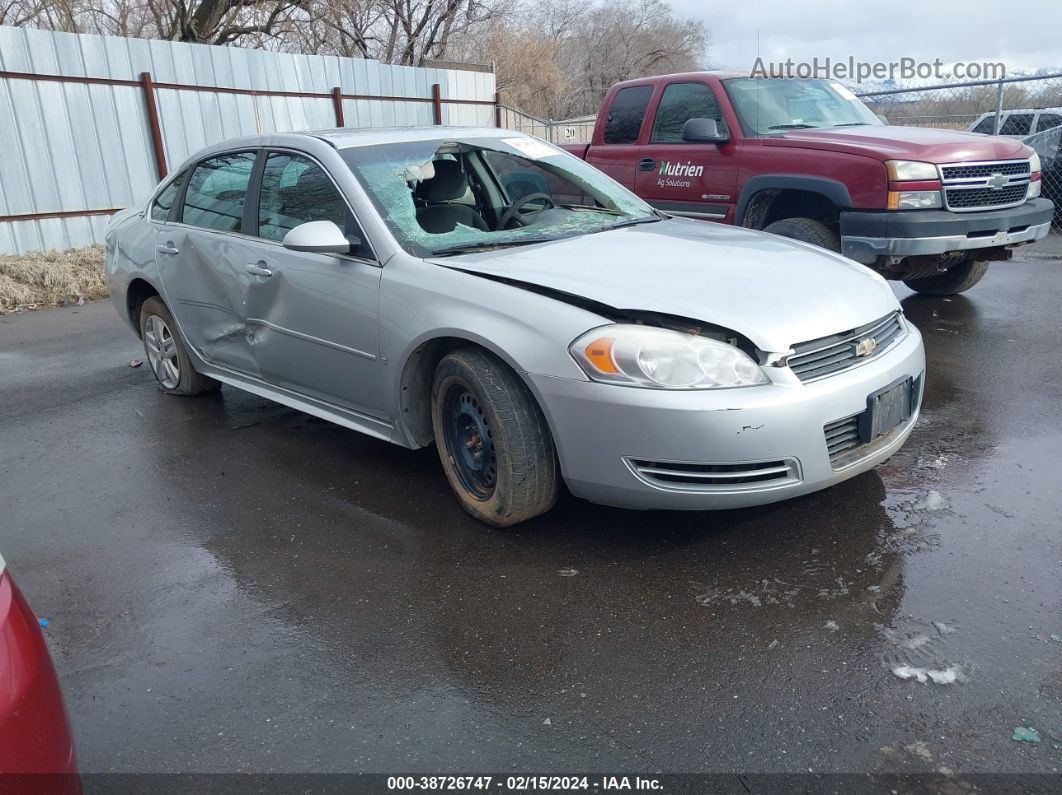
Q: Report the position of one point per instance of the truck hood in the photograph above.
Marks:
(774, 291)
(905, 143)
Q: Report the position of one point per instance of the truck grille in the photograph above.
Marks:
(838, 352)
(961, 199)
(981, 170)
(715, 477)
(985, 185)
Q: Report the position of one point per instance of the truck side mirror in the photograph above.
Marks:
(704, 131)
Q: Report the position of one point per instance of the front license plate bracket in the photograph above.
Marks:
(886, 409)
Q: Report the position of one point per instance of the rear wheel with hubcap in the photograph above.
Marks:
(493, 441)
(166, 353)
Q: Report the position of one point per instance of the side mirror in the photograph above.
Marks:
(704, 131)
(319, 237)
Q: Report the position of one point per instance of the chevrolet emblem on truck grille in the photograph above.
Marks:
(866, 346)
(997, 181)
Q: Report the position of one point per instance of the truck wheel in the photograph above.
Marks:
(166, 352)
(493, 441)
(956, 279)
(807, 230)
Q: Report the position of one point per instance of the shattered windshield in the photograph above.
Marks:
(442, 196)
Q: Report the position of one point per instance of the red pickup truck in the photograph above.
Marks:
(808, 160)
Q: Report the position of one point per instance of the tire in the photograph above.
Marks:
(479, 405)
(166, 353)
(807, 230)
(956, 279)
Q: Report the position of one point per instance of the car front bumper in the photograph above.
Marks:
(865, 236)
(603, 430)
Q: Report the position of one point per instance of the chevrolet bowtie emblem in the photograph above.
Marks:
(997, 182)
(866, 347)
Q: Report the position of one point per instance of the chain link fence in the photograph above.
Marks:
(568, 131)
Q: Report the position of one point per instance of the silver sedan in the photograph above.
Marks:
(486, 292)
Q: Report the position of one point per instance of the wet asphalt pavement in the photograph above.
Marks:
(235, 586)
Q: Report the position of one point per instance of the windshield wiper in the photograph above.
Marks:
(853, 124)
(791, 127)
(590, 207)
(645, 219)
(488, 244)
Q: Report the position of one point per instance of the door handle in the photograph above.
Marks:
(167, 248)
(646, 164)
(258, 270)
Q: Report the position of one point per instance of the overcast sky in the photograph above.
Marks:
(1023, 34)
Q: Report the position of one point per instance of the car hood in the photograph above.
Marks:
(905, 143)
(774, 291)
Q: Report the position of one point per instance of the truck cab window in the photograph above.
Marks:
(625, 117)
(680, 103)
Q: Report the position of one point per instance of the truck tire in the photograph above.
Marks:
(493, 442)
(166, 354)
(807, 230)
(956, 279)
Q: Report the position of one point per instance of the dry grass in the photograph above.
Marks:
(51, 278)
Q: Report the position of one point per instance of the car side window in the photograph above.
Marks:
(680, 103)
(1016, 124)
(296, 190)
(217, 192)
(625, 117)
(1047, 121)
(160, 208)
(985, 126)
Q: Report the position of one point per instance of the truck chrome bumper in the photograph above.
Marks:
(868, 249)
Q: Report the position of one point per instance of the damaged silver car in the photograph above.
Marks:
(486, 292)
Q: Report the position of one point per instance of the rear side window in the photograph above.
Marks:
(680, 103)
(1017, 124)
(1047, 121)
(160, 208)
(985, 126)
(626, 115)
(217, 192)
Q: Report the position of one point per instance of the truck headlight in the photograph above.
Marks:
(659, 358)
(913, 199)
(1034, 163)
(900, 170)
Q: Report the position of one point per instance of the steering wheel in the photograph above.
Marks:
(514, 211)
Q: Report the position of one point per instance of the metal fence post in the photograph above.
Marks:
(436, 102)
(337, 105)
(153, 124)
(999, 108)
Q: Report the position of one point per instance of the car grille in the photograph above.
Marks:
(984, 169)
(842, 436)
(838, 352)
(986, 185)
(715, 477)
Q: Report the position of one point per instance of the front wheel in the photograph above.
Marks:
(807, 230)
(956, 279)
(493, 441)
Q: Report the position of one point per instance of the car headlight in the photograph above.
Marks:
(1034, 162)
(659, 358)
(913, 199)
(900, 170)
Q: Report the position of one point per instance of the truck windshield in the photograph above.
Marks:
(769, 106)
(446, 196)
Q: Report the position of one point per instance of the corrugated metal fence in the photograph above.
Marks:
(89, 123)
